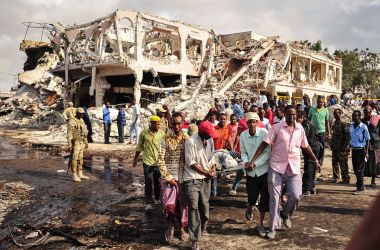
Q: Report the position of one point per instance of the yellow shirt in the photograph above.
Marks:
(149, 143)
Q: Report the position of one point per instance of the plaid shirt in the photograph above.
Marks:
(171, 156)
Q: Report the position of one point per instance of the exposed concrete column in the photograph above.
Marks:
(138, 73)
(118, 37)
(101, 86)
(93, 81)
(139, 38)
(327, 73)
(310, 73)
(183, 80)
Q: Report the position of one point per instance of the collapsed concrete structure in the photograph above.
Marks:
(130, 54)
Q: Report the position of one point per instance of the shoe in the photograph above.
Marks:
(313, 191)
(249, 213)
(148, 208)
(233, 192)
(205, 233)
(358, 192)
(76, 178)
(286, 221)
(157, 202)
(373, 184)
(82, 176)
(344, 182)
(271, 234)
(195, 245)
(306, 193)
(261, 230)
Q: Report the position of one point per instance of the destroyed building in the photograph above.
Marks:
(129, 54)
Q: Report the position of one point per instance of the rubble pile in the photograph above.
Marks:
(12, 196)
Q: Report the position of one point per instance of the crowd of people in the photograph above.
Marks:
(266, 138)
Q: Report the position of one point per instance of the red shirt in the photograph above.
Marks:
(243, 124)
(223, 135)
(270, 116)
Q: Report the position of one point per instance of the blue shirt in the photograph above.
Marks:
(332, 101)
(359, 135)
(106, 116)
(238, 111)
(121, 119)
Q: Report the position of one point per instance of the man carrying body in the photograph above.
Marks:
(135, 123)
(198, 171)
(257, 184)
(340, 145)
(77, 140)
(149, 143)
(286, 139)
(171, 160)
(319, 117)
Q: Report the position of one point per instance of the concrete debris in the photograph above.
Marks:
(12, 196)
(157, 61)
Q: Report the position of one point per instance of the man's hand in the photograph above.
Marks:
(134, 164)
(248, 166)
(173, 182)
(317, 167)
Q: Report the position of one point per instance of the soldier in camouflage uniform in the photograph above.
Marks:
(77, 140)
(340, 148)
(69, 112)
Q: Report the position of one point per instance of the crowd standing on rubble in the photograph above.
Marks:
(260, 139)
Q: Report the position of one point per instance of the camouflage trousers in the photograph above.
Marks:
(340, 164)
(77, 158)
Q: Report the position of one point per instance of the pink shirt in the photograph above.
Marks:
(286, 147)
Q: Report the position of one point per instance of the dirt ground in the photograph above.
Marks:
(107, 210)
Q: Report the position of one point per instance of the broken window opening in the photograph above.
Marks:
(317, 71)
(127, 35)
(194, 50)
(162, 44)
(81, 97)
(121, 90)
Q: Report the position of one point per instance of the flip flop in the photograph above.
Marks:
(249, 214)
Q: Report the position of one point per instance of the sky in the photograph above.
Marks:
(339, 24)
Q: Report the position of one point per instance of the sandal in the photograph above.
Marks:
(184, 236)
(169, 235)
(249, 214)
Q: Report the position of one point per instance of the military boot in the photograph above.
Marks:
(81, 175)
(75, 177)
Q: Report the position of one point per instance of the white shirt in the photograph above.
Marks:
(262, 99)
(135, 112)
(195, 152)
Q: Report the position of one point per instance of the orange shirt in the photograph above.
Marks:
(223, 135)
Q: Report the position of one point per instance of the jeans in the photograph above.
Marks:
(214, 185)
(120, 130)
(134, 130)
(197, 194)
(238, 178)
(358, 164)
(152, 183)
(321, 138)
(107, 132)
(308, 177)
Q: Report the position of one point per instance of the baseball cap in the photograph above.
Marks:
(208, 128)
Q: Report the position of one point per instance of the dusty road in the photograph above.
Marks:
(107, 211)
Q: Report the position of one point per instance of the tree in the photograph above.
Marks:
(359, 69)
(317, 46)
